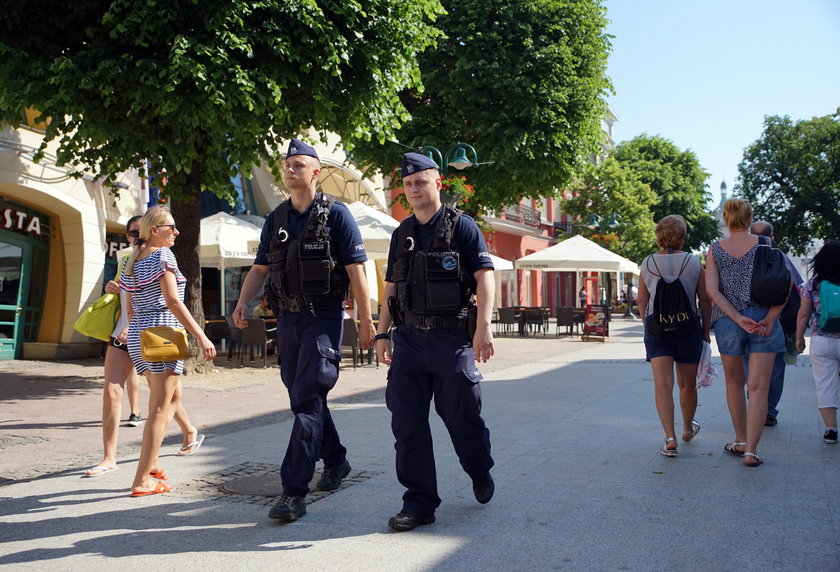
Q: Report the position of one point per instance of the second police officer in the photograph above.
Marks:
(310, 251)
(438, 266)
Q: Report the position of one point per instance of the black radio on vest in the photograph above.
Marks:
(431, 289)
(302, 272)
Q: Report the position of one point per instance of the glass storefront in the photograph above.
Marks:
(24, 258)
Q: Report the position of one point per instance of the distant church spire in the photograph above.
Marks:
(723, 190)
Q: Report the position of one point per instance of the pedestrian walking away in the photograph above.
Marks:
(440, 289)
(742, 327)
(156, 290)
(777, 377)
(310, 251)
(677, 311)
(120, 374)
(820, 310)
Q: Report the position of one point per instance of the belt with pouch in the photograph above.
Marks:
(427, 322)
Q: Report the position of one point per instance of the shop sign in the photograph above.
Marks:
(21, 221)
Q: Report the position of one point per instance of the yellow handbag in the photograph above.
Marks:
(164, 343)
(98, 319)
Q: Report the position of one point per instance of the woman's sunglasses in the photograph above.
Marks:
(134, 233)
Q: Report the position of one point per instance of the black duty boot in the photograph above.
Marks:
(289, 508)
(483, 489)
(332, 476)
(407, 520)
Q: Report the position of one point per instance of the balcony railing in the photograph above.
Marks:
(522, 215)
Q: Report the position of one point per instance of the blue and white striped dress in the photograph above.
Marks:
(149, 305)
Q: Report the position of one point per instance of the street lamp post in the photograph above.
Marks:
(459, 156)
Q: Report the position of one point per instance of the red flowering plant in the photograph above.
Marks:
(456, 188)
(608, 239)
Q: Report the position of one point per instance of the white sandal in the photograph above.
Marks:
(758, 459)
(666, 451)
(689, 435)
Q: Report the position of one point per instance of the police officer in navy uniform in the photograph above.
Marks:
(310, 250)
(438, 268)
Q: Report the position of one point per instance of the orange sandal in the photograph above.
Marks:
(160, 487)
(159, 474)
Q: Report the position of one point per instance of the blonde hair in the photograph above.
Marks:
(670, 231)
(737, 214)
(154, 216)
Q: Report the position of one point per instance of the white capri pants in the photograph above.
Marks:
(825, 365)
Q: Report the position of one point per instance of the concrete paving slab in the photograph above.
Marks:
(580, 482)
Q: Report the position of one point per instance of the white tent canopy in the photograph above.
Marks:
(376, 228)
(500, 263)
(227, 242)
(574, 255)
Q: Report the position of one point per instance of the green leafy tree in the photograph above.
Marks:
(678, 181)
(204, 88)
(791, 176)
(612, 188)
(522, 82)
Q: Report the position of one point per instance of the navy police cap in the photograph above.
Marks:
(415, 162)
(298, 147)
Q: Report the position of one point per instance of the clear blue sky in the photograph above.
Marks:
(704, 73)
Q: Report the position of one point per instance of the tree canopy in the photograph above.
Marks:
(677, 179)
(206, 88)
(522, 82)
(791, 176)
(612, 188)
(209, 85)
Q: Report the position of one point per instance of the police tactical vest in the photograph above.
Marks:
(430, 282)
(302, 272)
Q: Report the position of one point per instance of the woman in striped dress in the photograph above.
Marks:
(156, 289)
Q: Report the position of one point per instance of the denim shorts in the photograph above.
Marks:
(683, 350)
(732, 340)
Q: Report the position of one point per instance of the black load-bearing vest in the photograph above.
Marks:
(302, 272)
(432, 289)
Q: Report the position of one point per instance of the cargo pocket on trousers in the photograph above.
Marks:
(328, 366)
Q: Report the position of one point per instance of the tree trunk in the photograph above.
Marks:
(187, 214)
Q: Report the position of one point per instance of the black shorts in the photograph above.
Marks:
(683, 350)
(118, 344)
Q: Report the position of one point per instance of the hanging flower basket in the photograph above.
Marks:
(455, 190)
(606, 239)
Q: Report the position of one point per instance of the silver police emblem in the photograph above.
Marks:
(449, 263)
(409, 168)
(292, 150)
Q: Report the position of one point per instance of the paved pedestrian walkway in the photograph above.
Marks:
(580, 482)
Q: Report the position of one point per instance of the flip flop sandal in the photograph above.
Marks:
(758, 460)
(98, 471)
(666, 451)
(160, 475)
(160, 487)
(730, 448)
(185, 450)
(689, 435)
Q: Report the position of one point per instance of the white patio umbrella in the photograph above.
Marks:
(376, 228)
(576, 254)
(227, 242)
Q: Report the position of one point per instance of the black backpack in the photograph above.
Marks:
(771, 277)
(673, 312)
